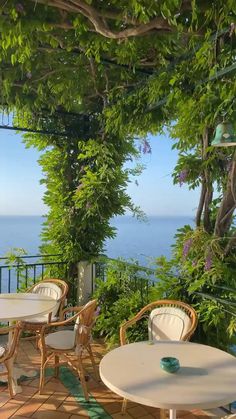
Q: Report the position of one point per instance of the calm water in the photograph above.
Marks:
(139, 240)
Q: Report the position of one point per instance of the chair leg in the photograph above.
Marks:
(124, 405)
(162, 414)
(82, 379)
(93, 363)
(42, 370)
(37, 341)
(56, 368)
(9, 366)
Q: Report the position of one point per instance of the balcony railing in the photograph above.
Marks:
(21, 272)
(24, 271)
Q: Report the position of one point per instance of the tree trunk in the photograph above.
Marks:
(228, 203)
(208, 186)
(201, 203)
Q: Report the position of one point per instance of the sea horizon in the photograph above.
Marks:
(135, 240)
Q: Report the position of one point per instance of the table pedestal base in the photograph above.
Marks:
(17, 374)
(172, 414)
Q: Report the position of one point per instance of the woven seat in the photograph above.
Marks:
(64, 343)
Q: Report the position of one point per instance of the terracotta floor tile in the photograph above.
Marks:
(55, 386)
(121, 416)
(4, 398)
(49, 414)
(82, 415)
(114, 407)
(137, 412)
(69, 406)
(54, 401)
(31, 406)
(8, 410)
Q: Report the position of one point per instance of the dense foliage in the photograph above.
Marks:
(129, 68)
(124, 292)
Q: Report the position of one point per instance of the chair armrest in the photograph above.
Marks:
(126, 325)
(63, 323)
(6, 329)
(72, 309)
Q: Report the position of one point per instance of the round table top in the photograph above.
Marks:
(206, 378)
(19, 306)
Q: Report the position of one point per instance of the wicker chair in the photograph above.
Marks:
(8, 353)
(55, 288)
(167, 320)
(65, 343)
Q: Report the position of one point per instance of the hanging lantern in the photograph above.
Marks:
(224, 135)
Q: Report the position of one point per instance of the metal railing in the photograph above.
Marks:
(20, 272)
(24, 271)
(136, 277)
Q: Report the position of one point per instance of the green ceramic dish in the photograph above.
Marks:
(169, 364)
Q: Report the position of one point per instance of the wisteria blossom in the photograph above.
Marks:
(97, 311)
(208, 262)
(182, 176)
(19, 7)
(187, 246)
(146, 147)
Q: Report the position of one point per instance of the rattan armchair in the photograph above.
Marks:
(8, 353)
(69, 344)
(55, 288)
(167, 320)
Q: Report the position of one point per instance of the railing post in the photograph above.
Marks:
(85, 282)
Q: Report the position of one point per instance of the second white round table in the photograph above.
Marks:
(206, 378)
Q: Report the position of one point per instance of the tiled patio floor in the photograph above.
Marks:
(63, 399)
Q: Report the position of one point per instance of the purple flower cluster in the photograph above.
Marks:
(187, 246)
(146, 148)
(182, 176)
(19, 7)
(97, 311)
(208, 262)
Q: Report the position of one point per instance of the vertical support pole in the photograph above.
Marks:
(85, 282)
(172, 414)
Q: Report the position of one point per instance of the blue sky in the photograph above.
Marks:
(21, 193)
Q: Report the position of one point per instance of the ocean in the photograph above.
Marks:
(142, 241)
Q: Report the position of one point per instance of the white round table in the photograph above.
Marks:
(206, 378)
(24, 305)
(20, 306)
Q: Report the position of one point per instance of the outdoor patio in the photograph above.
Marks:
(63, 399)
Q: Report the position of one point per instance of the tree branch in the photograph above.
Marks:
(96, 18)
(208, 185)
(201, 203)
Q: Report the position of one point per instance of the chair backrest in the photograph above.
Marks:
(167, 320)
(54, 288)
(171, 320)
(84, 323)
